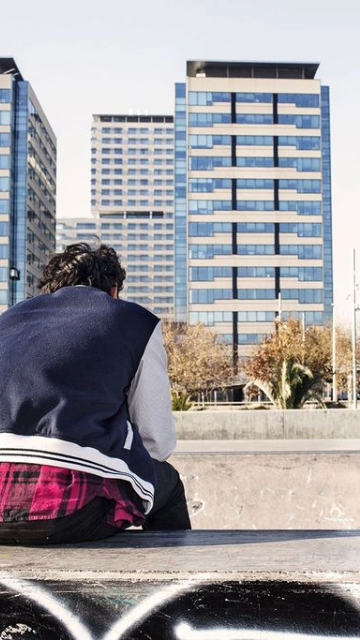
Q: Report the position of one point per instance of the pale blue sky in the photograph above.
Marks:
(115, 55)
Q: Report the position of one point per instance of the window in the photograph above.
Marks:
(300, 121)
(4, 162)
(254, 118)
(5, 117)
(254, 97)
(5, 95)
(262, 141)
(4, 139)
(208, 119)
(4, 184)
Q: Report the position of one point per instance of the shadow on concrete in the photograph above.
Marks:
(214, 537)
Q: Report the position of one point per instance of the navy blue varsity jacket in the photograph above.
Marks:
(67, 361)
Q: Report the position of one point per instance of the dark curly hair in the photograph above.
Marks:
(81, 264)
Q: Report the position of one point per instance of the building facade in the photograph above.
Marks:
(72, 230)
(253, 198)
(132, 201)
(27, 187)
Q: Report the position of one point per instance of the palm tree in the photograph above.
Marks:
(290, 386)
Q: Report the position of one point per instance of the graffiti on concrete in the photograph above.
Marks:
(199, 609)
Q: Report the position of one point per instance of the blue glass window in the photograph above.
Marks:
(256, 294)
(300, 121)
(254, 118)
(208, 119)
(256, 272)
(254, 183)
(254, 162)
(301, 164)
(207, 163)
(4, 139)
(254, 97)
(208, 206)
(255, 205)
(206, 98)
(4, 161)
(5, 117)
(5, 95)
(255, 249)
(262, 141)
(302, 207)
(255, 227)
(311, 100)
(203, 141)
(302, 143)
(303, 251)
(301, 186)
(4, 183)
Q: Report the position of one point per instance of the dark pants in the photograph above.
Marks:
(89, 523)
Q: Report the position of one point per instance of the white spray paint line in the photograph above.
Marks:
(186, 632)
(145, 607)
(46, 601)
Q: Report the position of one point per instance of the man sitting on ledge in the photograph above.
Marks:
(85, 414)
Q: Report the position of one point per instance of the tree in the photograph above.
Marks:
(291, 365)
(197, 360)
(290, 385)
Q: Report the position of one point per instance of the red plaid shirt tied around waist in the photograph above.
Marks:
(36, 492)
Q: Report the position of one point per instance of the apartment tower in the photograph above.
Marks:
(253, 198)
(27, 187)
(132, 202)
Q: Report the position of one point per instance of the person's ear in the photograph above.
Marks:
(114, 291)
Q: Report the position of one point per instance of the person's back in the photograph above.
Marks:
(77, 375)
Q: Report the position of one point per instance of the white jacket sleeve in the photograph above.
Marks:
(149, 400)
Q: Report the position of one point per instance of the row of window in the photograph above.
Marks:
(131, 161)
(209, 251)
(302, 207)
(137, 141)
(133, 182)
(302, 143)
(208, 296)
(105, 202)
(210, 318)
(208, 185)
(133, 192)
(133, 131)
(208, 274)
(208, 98)
(211, 119)
(208, 229)
(132, 151)
(208, 163)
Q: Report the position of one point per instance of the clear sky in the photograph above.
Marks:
(84, 57)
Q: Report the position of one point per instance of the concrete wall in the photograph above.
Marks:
(271, 424)
(285, 490)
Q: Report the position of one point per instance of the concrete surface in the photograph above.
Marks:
(309, 445)
(271, 490)
(267, 424)
(192, 585)
(182, 554)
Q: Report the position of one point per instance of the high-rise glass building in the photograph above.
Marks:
(253, 198)
(132, 201)
(27, 187)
